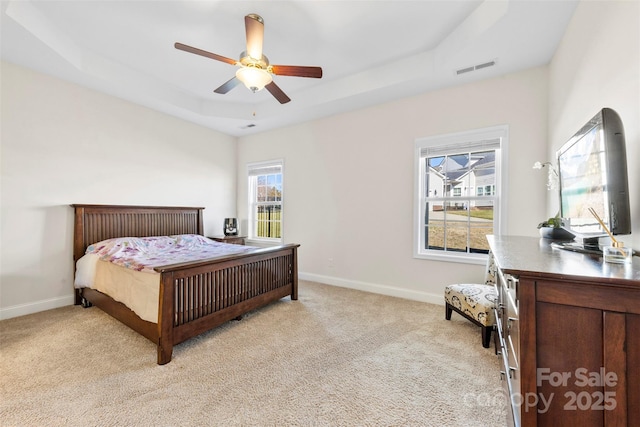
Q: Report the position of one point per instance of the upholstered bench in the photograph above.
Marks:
(475, 301)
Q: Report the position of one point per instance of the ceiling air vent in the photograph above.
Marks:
(250, 125)
(465, 70)
(476, 67)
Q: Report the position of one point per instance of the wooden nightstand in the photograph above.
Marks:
(234, 240)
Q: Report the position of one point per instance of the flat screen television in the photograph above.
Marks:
(592, 170)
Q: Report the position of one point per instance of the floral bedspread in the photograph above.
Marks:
(145, 253)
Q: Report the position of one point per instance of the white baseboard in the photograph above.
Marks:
(374, 288)
(35, 307)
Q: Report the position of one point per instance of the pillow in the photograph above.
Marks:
(192, 240)
(137, 245)
(115, 245)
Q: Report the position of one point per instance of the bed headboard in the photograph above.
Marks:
(93, 223)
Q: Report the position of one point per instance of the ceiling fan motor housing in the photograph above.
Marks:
(248, 61)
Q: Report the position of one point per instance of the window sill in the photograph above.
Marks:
(480, 259)
(263, 243)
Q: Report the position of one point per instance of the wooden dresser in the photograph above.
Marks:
(568, 335)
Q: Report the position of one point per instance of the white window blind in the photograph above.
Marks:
(459, 148)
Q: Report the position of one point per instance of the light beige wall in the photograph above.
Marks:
(348, 178)
(64, 144)
(349, 181)
(598, 65)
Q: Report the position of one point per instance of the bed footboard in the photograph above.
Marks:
(196, 297)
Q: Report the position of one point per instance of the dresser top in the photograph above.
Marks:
(535, 257)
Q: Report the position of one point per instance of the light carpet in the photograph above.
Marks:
(335, 357)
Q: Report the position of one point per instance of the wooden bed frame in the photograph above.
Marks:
(194, 297)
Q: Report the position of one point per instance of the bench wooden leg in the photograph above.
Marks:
(486, 336)
(486, 330)
(447, 311)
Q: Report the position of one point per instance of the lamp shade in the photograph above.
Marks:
(254, 79)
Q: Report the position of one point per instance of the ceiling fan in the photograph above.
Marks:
(255, 71)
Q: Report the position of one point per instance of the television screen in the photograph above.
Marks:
(584, 182)
(593, 174)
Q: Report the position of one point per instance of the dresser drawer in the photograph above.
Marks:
(512, 332)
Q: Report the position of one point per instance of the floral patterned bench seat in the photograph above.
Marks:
(475, 301)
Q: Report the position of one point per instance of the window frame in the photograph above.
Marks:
(252, 174)
(453, 142)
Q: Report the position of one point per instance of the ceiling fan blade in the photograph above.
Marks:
(277, 93)
(204, 53)
(254, 26)
(230, 84)
(297, 71)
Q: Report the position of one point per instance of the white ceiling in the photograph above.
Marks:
(370, 51)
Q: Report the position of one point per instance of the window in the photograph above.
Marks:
(458, 194)
(265, 200)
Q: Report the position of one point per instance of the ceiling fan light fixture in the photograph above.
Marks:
(255, 72)
(254, 78)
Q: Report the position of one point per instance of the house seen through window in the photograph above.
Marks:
(265, 201)
(458, 200)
